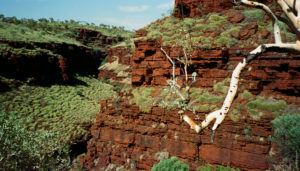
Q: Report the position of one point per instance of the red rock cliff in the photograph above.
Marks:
(45, 67)
(125, 136)
(192, 8)
(270, 73)
(122, 133)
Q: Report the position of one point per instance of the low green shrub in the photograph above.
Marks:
(254, 14)
(246, 95)
(225, 41)
(287, 135)
(255, 114)
(221, 86)
(273, 105)
(143, 98)
(217, 19)
(216, 168)
(171, 164)
(202, 108)
(21, 149)
(236, 112)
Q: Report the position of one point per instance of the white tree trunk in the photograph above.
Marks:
(220, 114)
(286, 5)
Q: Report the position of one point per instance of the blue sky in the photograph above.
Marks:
(132, 14)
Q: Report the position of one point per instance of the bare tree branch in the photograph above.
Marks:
(173, 83)
(172, 62)
(290, 25)
(220, 114)
(286, 6)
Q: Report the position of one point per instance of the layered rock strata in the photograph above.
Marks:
(123, 135)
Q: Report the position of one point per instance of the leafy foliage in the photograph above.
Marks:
(235, 114)
(171, 164)
(287, 135)
(16, 151)
(21, 149)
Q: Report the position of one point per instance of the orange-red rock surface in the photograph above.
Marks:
(122, 132)
(193, 8)
(271, 72)
(124, 135)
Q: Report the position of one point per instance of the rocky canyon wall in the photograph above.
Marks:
(128, 137)
(125, 136)
(56, 61)
(271, 73)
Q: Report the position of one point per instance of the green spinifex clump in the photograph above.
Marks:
(273, 105)
(143, 98)
(171, 164)
(216, 168)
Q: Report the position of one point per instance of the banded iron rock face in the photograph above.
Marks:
(196, 8)
(193, 8)
(123, 132)
(124, 135)
(275, 73)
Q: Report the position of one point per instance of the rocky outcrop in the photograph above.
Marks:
(57, 62)
(275, 73)
(193, 8)
(124, 135)
(234, 17)
(96, 38)
(196, 8)
(118, 65)
(47, 62)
